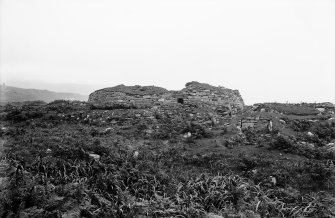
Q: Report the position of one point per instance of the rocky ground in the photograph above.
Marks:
(3, 165)
(66, 159)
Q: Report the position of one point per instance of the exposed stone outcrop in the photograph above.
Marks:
(121, 96)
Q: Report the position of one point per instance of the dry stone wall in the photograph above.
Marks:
(213, 96)
(255, 122)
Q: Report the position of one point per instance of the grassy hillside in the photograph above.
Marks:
(67, 159)
(15, 94)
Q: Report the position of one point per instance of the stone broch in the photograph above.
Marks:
(122, 96)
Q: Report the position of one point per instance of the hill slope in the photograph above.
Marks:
(15, 94)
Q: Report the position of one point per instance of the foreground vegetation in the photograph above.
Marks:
(65, 165)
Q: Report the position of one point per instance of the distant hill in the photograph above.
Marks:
(15, 94)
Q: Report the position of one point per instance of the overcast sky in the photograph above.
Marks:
(270, 50)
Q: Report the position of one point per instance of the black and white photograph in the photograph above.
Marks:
(167, 108)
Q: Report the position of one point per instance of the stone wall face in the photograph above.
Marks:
(213, 96)
(256, 122)
(148, 96)
(127, 97)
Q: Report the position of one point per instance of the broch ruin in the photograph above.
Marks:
(199, 103)
(122, 96)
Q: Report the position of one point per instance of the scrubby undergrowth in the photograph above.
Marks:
(54, 172)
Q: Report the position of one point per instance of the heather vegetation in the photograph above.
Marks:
(68, 159)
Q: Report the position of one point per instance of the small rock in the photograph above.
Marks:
(282, 121)
(212, 215)
(330, 147)
(310, 134)
(149, 131)
(187, 135)
(107, 130)
(310, 145)
(270, 127)
(239, 130)
(273, 180)
(320, 109)
(195, 157)
(94, 156)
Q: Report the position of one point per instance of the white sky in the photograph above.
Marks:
(270, 50)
